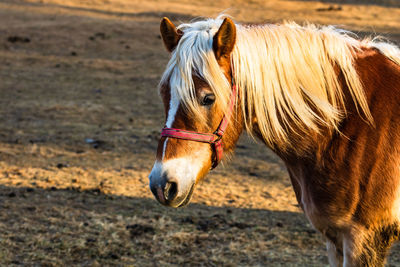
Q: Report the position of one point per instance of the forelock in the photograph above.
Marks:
(194, 56)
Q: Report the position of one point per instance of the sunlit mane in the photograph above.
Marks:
(286, 74)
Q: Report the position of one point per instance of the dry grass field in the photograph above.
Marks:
(79, 122)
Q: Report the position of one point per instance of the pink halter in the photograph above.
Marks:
(214, 139)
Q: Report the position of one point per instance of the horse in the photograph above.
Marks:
(326, 102)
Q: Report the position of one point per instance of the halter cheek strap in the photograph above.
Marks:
(214, 139)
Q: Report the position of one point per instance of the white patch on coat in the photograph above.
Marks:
(184, 171)
(173, 108)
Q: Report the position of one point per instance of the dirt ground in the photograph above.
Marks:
(79, 122)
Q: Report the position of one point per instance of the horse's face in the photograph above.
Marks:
(180, 163)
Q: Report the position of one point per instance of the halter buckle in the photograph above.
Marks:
(218, 137)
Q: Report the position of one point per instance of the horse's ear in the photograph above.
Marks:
(170, 34)
(224, 39)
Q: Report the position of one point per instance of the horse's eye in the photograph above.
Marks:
(208, 100)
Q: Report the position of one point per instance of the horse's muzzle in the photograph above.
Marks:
(168, 192)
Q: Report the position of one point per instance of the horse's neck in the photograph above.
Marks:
(330, 174)
(341, 174)
(381, 80)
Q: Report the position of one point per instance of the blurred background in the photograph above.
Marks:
(80, 118)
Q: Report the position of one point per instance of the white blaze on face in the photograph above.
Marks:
(183, 170)
(173, 108)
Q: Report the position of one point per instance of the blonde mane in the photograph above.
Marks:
(286, 74)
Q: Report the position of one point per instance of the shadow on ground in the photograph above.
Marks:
(85, 228)
(54, 227)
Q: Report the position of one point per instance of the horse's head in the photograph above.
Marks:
(197, 93)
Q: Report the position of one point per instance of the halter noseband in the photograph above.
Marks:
(214, 139)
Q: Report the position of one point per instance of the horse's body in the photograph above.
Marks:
(332, 113)
(348, 185)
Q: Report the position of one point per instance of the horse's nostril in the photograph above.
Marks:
(171, 190)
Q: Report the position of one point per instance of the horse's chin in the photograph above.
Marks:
(188, 197)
